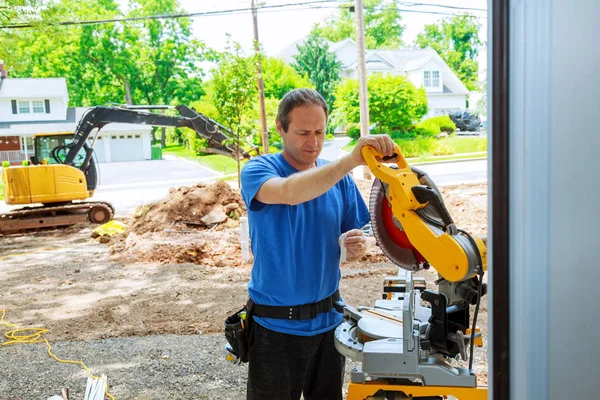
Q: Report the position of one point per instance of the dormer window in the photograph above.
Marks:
(431, 79)
(31, 106)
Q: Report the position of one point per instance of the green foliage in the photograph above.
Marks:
(395, 104)
(235, 90)
(423, 146)
(456, 40)
(139, 62)
(280, 78)
(253, 119)
(383, 28)
(435, 125)
(320, 65)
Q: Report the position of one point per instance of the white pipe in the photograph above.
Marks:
(245, 238)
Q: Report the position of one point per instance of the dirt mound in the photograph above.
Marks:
(191, 207)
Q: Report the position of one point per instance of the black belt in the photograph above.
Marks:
(306, 311)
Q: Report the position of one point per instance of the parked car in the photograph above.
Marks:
(465, 121)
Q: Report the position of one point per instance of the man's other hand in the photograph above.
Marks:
(356, 244)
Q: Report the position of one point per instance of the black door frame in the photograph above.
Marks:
(500, 377)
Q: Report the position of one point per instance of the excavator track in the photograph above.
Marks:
(54, 216)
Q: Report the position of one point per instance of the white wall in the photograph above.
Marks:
(574, 235)
(147, 143)
(416, 77)
(445, 102)
(346, 54)
(58, 111)
(554, 190)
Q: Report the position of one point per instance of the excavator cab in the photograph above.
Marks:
(52, 148)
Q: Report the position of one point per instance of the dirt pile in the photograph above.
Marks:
(191, 207)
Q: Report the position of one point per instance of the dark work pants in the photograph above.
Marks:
(282, 367)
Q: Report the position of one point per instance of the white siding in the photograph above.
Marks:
(58, 110)
(445, 102)
(346, 54)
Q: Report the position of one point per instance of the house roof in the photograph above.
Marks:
(27, 88)
(403, 60)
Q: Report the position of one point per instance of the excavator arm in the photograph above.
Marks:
(98, 117)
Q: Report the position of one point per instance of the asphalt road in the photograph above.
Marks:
(128, 185)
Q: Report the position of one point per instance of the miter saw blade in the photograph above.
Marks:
(388, 230)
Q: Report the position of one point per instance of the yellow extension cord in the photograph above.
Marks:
(15, 336)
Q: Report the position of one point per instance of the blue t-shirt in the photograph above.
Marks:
(296, 250)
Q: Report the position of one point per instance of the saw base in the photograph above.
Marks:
(386, 339)
(378, 391)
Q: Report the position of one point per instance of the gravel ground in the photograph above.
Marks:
(165, 367)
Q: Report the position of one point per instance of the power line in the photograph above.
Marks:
(410, 4)
(162, 16)
(317, 4)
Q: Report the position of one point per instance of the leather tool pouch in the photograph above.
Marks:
(237, 330)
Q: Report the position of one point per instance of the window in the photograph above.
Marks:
(431, 79)
(137, 136)
(24, 107)
(38, 107)
(29, 107)
(435, 75)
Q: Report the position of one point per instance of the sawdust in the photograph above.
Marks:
(191, 207)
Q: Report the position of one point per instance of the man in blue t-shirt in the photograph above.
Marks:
(298, 208)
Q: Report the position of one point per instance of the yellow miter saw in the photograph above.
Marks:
(409, 343)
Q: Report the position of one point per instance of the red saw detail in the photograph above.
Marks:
(397, 235)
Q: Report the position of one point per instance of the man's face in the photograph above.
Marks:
(303, 141)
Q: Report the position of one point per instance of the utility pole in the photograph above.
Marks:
(363, 95)
(261, 85)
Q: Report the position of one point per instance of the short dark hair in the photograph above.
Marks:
(297, 98)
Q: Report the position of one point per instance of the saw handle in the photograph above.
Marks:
(370, 154)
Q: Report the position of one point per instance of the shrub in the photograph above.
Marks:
(423, 146)
(435, 125)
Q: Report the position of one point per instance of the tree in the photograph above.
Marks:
(234, 81)
(140, 62)
(320, 65)
(383, 28)
(280, 78)
(395, 104)
(456, 40)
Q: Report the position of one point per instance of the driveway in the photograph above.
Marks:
(128, 185)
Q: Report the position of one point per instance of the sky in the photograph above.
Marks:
(280, 27)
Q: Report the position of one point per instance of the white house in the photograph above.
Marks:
(40, 105)
(445, 91)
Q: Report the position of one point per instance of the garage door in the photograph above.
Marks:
(98, 148)
(126, 148)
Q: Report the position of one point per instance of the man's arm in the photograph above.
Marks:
(310, 184)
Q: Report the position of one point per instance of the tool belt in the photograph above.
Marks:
(237, 331)
(306, 311)
(237, 325)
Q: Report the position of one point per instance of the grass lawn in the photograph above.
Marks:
(466, 144)
(217, 162)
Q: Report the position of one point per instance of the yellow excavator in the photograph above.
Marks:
(63, 173)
